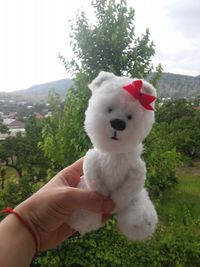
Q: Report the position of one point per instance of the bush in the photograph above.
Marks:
(16, 191)
(172, 245)
(183, 126)
(162, 160)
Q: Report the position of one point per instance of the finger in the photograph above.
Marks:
(71, 178)
(78, 166)
(71, 175)
(76, 198)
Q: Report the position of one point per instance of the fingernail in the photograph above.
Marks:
(108, 206)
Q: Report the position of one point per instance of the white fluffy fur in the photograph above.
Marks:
(114, 167)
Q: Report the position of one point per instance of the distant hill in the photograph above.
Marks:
(39, 92)
(170, 85)
(176, 86)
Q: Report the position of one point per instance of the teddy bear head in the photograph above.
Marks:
(120, 112)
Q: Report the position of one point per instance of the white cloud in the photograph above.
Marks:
(185, 16)
(174, 28)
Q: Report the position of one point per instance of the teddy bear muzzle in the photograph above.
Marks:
(118, 124)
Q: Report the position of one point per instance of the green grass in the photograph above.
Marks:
(184, 197)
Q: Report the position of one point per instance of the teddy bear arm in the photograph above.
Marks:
(84, 221)
(93, 180)
(131, 187)
(92, 175)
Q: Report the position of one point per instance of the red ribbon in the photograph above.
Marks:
(134, 90)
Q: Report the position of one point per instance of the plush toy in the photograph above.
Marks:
(119, 117)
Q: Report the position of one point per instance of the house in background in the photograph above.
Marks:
(14, 127)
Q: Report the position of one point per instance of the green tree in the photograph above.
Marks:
(162, 160)
(12, 153)
(196, 101)
(64, 139)
(34, 162)
(173, 110)
(3, 128)
(22, 152)
(50, 144)
(156, 76)
(2, 177)
(185, 135)
(109, 44)
(183, 124)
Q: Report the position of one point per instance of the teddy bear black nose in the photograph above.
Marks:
(118, 124)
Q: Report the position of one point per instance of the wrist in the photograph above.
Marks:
(24, 218)
(18, 242)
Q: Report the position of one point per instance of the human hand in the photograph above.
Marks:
(48, 210)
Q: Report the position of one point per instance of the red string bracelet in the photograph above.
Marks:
(25, 223)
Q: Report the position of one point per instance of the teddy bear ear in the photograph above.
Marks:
(102, 77)
(147, 88)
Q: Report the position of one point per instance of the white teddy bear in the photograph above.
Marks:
(119, 116)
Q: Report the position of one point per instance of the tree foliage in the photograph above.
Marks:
(22, 152)
(12, 153)
(110, 44)
(162, 160)
(183, 124)
(172, 110)
(3, 128)
(23, 167)
(64, 138)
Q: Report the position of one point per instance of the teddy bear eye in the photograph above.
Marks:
(110, 110)
(129, 117)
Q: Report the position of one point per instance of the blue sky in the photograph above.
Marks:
(33, 32)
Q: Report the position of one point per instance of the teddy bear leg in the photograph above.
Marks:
(84, 221)
(138, 220)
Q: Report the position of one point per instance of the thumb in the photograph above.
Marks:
(76, 198)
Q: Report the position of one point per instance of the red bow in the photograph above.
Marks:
(134, 90)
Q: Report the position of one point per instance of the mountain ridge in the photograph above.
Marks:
(177, 85)
(39, 92)
(170, 85)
